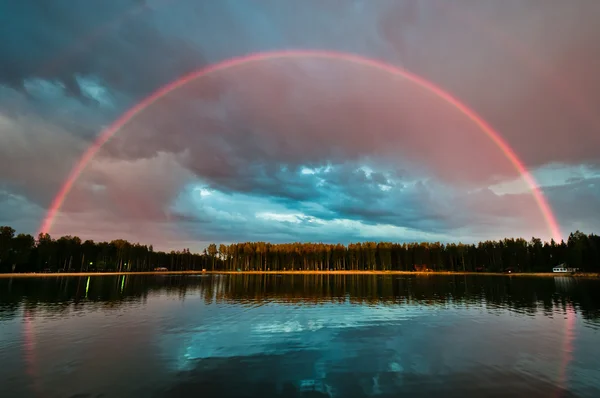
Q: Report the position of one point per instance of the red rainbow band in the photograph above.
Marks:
(333, 55)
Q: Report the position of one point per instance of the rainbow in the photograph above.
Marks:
(231, 63)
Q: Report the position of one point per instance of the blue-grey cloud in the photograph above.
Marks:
(118, 42)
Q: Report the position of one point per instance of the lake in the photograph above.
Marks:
(300, 336)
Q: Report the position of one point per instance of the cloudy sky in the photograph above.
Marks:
(299, 149)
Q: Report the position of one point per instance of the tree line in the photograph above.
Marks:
(24, 253)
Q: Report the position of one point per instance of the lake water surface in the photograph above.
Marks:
(299, 335)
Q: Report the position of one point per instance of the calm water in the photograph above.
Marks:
(287, 336)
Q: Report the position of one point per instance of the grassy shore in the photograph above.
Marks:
(50, 275)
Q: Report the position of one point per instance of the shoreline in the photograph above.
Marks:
(421, 273)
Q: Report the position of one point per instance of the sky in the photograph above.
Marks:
(300, 149)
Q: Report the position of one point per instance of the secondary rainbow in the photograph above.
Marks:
(122, 121)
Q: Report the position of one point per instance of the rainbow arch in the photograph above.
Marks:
(231, 63)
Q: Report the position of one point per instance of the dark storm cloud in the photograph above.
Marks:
(241, 132)
(531, 71)
(117, 41)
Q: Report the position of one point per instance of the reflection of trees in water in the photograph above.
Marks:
(523, 294)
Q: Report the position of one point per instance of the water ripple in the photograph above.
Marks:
(278, 336)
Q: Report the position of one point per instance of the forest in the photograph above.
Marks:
(24, 253)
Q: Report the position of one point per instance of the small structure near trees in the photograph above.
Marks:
(421, 268)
